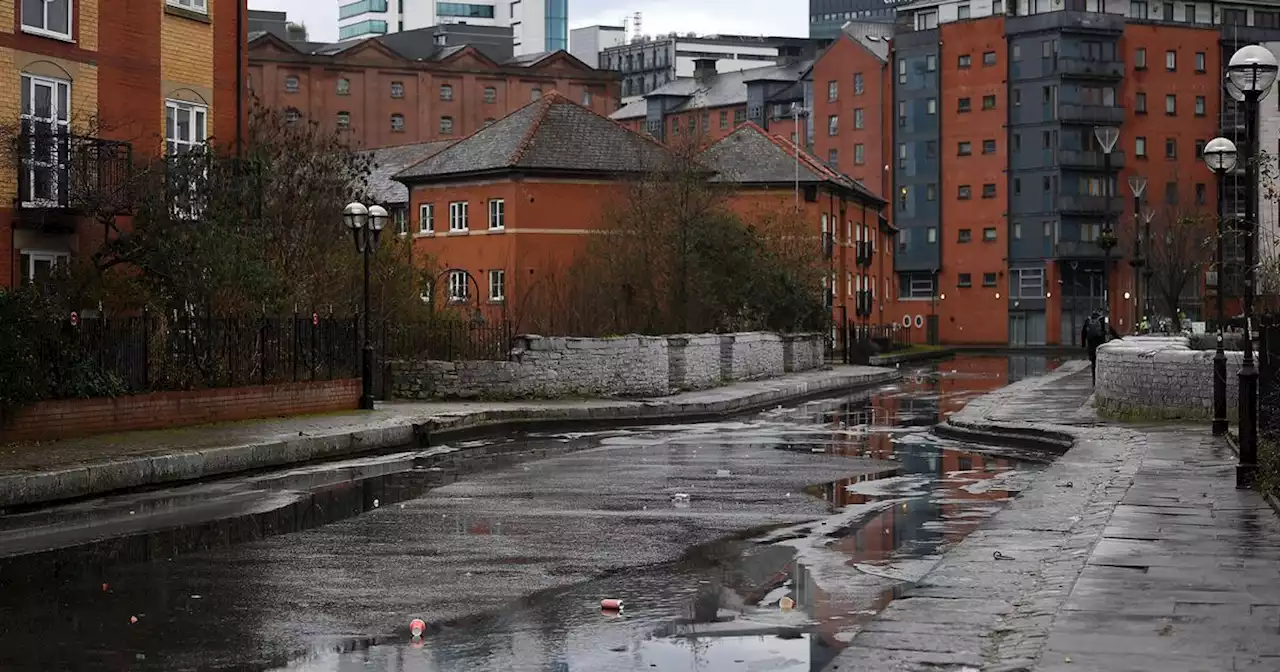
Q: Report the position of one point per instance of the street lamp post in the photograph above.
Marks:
(365, 224)
(1252, 70)
(1107, 137)
(1220, 155)
(1137, 185)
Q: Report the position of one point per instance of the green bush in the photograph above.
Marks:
(1269, 468)
(1230, 341)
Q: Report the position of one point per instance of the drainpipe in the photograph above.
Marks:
(240, 46)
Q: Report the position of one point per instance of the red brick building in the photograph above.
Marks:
(392, 91)
(104, 86)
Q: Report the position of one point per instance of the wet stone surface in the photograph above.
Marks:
(801, 523)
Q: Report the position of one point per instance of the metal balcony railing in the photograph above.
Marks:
(1093, 114)
(1074, 158)
(59, 171)
(1079, 67)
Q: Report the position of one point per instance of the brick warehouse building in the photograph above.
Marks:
(406, 88)
(504, 210)
(114, 83)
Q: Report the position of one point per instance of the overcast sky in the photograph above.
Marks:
(747, 17)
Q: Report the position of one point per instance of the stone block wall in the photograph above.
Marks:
(750, 355)
(1161, 377)
(694, 361)
(803, 352)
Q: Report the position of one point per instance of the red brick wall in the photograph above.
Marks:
(839, 64)
(64, 419)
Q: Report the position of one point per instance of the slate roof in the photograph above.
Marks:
(752, 155)
(725, 88)
(550, 134)
(388, 161)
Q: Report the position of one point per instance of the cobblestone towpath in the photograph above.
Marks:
(1134, 551)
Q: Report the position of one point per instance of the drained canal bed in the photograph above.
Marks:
(800, 523)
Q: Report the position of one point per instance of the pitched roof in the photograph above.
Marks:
(388, 161)
(725, 88)
(549, 134)
(752, 155)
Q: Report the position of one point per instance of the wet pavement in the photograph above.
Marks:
(800, 524)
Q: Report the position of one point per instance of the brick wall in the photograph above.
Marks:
(1161, 377)
(750, 355)
(63, 419)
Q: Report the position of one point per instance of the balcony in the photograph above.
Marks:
(63, 176)
(1091, 114)
(1074, 158)
(1077, 204)
(1078, 249)
(1080, 68)
(1232, 123)
(862, 253)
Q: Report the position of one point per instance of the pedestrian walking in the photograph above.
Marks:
(1095, 332)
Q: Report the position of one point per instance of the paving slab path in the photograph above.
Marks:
(1133, 552)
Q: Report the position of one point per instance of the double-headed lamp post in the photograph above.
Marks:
(365, 224)
(1107, 137)
(1252, 70)
(1137, 185)
(1220, 156)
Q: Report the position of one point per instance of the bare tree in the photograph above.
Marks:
(1177, 251)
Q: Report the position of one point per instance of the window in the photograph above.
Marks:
(458, 216)
(1200, 191)
(858, 86)
(1017, 231)
(964, 279)
(1017, 97)
(458, 286)
(446, 125)
(401, 218)
(344, 120)
(185, 126)
(397, 123)
(989, 102)
(192, 5)
(1170, 193)
(1200, 106)
(997, 7)
(833, 91)
(535, 94)
(446, 92)
(931, 234)
(1171, 105)
(902, 155)
(1171, 61)
(833, 157)
(1138, 9)
(344, 86)
(47, 17)
(1265, 19)
(586, 98)
(902, 113)
(988, 58)
(1140, 59)
(833, 125)
(497, 214)
(497, 286)
(902, 72)
(490, 95)
(675, 125)
(291, 84)
(1017, 52)
(46, 113)
(1200, 61)
(1026, 283)
(966, 235)
(739, 116)
(426, 218)
(931, 106)
(964, 192)
(931, 149)
(963, 105)
(988, 146)
(989, 279)
(858, 119)
(36, 267)
(964, 61)
(1140, 146)
(989, 190)
(1189, 13)
(397, 89)
(1235, 17)
(962, 12)
(1140, 103)
(859, 154)
(915, 285)
(930, 62)
(292, 115)
(1017, 185)
(931, 192)
(964, 149)
(989, 234)
(1170, 148)
(1199, 149)
(724, 119)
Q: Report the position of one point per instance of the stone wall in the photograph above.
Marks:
(629, 366)
(1161, 377)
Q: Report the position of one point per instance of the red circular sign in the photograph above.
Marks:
(75, 318)
(315, 319)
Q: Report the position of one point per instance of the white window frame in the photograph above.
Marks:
(458, 287)
(43, 29)
(201, 6)
(400, 217)
(59, 121)
(297, 84)
(33, 255)
(497, 214)
(446, 92)
(427, 218)
(1020, 288)
(343, 87)
(446, 120)
(458, 216)
(343, 121)
(397, 89)
(497, 286)
(397, 128)
(199, 126)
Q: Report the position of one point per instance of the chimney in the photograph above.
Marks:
(704, 68)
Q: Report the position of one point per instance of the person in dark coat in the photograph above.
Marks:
(1095, 332)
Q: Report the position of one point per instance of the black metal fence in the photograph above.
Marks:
(1268, 378)
(447, 341)
(863, 341)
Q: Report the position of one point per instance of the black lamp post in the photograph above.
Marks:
(1220, 156)
(1137, 185)
(1252, 70)
(365, 224)
(1107, 137)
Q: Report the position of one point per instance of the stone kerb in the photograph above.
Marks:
(1160, 377)
(694, 361)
